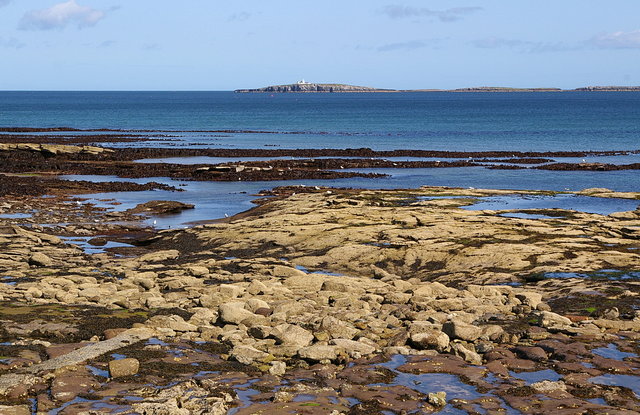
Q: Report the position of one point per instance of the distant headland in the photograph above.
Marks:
(310, 87)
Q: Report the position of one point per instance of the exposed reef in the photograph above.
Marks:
(324, 301)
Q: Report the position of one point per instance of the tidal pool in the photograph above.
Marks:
(627, 381)
(612, 352)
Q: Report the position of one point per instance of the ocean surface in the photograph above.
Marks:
(564, 121)
(438, 121)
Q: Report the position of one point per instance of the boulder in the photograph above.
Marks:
(548, 319)
(40, 260)
(337, 328)
(457, 329)
(278, 368)
(248, 355)
(319, 353)
(234, 313)
(198, 271)
(537, 354)
(431, 339)
(290, 334)
(467, 354)
(437, 399)
(530, 298)
(123, 367)
(354, 348)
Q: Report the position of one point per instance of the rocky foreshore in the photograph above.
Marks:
(325, 301)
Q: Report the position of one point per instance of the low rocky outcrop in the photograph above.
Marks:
(161, 207)
(312, 87)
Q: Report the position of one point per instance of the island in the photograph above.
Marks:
(310, 87)
(610, 89)
(302, 86)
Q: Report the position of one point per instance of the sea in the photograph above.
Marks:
(540, 121)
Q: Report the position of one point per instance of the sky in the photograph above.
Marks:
(408, 44)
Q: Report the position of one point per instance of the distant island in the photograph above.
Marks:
(309, 87)
(609, 88)
(302, 86)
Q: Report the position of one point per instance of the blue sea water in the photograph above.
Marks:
(565, 121)
(429, 120)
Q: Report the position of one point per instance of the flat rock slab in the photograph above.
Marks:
(29, 375)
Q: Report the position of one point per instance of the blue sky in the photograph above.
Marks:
(223, 45)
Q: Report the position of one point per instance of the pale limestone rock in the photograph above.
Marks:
(39, 259)
(123, 367)
(248, 355)
(529, 298)
(431, 339)
(467, 354)
(234, 312)
(278, 368)
(15, 410)
(547, 386)
(437, 399)
(291, 334)
(159, 256)
(319, 353)
(354, 349)
(457, 329)
(549, 319)
(198, 271)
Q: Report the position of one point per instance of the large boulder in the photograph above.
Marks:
(40, 260)
(319, 353)
(248, 355)
(431, 339)
(234, 312)
(548, 319)
(123, 367)
(290, 334)
(354, 348)
(457, 329)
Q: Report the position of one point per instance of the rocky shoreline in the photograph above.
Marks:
(320, 300)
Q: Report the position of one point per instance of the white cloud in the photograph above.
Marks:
(11, 43)
(448, 15)
(524, 46)
(60, 16)
(409, 45)
(617, 40)
(240, 17)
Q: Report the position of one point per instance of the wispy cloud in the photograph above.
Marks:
(151, 46)
(410, 45)
(239, 17)
(107, 44)
(524, 46)
(11, 43)
(4, 2)
(434, 43)
(448, 15)
(60, 16)
(616, 40)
